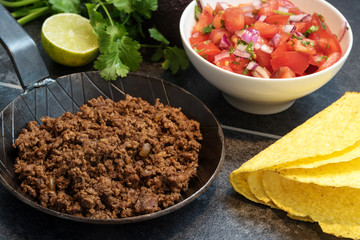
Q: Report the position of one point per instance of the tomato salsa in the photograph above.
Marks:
(266, 38)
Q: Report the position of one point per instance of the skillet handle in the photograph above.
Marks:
(29, 66)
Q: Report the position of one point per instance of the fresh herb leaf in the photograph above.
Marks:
(122, 5)
(305, 43)
(297, 37)
(144, 7)
(65, 6)
(110, 66)
(119, 26)
(119, 58)
(97, 20)
(283, 13)
(175, 58)
(222, 23)
(129, 52)
(321, 58)
(322, 20)
(249, 48)
(198, 50)
(109, 38)
(155, 34)
(311, 30)
(158, 55)
(197, 12)
(208, 29)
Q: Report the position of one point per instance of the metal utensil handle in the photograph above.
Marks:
(30, 67)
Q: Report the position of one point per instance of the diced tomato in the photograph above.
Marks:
(207, 50)
(279, 50)
(268, 8)
(238, 66)
(235, 39)
(249, 20)
(208, 9)
(263, 59)
(284, 72)
(217, 9)
(277, 19)
(296, 61)
(331, 60)
(317, 59)
(305, 45)
(198, 37)
(219, 20)
(224, 63)
(284, 38)
(300, 26)
(285, 3)
(292, 55)
(234, 19)
(289, 5)
(334, 45)
(217, 34)
(205, 19)
(317, 20)
(233, 64)
(266, 30)
(325, 42)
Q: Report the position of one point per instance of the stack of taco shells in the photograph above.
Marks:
(313, 172)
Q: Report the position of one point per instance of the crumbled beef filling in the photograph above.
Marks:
(109, 159)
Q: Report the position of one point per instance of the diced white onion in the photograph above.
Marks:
(283, 9)
(297, 18)
(256, 4)
(262, 18)
(224, 5)
(242, 54)
(257, 46)
(221, 55)
(267, 49)
(289, 28)
(249, 14)
(252, 65)
(249, 8)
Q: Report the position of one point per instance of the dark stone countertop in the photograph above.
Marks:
(219, 213)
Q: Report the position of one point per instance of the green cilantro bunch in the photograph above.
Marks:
(118, 23)
(119, 26)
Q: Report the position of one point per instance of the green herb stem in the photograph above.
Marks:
(283, 13)
(23, 13)
(107, 13)
(150, 46)
(34, 14)
(18, 3)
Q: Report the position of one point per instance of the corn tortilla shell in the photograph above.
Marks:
(335, 208)
(332, 130)
(256, 187)
(343, 174)
(313, 172)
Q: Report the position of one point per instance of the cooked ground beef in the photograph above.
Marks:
(109, 159)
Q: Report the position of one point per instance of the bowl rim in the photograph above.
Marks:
(189, 10)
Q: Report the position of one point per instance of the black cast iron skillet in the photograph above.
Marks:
(47, 97)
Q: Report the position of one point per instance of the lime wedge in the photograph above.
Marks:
(69, 39)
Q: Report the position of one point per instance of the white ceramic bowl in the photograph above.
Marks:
(267, 96)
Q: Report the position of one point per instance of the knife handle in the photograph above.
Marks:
(24, 54)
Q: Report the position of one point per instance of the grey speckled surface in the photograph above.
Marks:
(219, 213)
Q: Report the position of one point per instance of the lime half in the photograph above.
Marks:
(69, 39)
